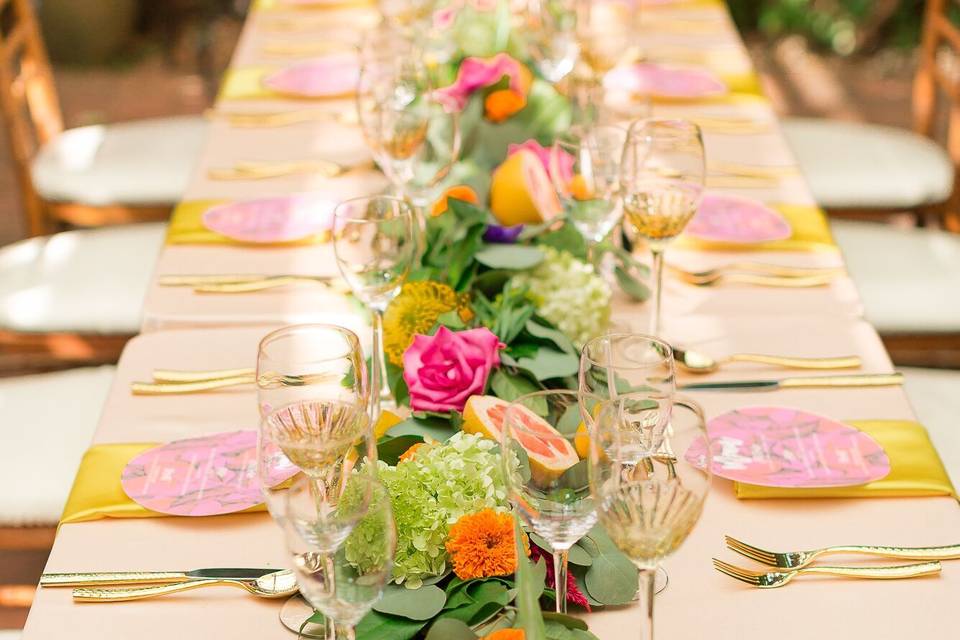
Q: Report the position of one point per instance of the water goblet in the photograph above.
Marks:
(552, 38)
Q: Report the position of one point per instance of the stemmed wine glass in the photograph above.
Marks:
(648, 493)
(607, 36)
(375, 247)
(545, 479)
(585, 169)
(662, 180)
(552, 38)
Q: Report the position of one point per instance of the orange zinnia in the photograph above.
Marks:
(502, 104)
(481, 545)
(507, 634)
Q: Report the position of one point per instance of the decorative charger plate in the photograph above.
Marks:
(205, 476)
(671, 83)
(729, 218)
(332, 76)
(268, 220)
(784, 447)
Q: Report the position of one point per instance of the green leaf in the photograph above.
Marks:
(377, 626)
(630, 285)
(397, 384)
(578, 555)
(509, 386)
(568, 621)
(557, 337)
(390, 448)
(570, 421)
(509, 256)
(492, 282)
(550, 363)
(612, 578)
(451, 320)
(566, 238)
(530, 584)
(576, 477)
(416, 604)
(450, 629)
(435, 428)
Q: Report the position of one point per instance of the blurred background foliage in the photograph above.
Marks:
(845, 27)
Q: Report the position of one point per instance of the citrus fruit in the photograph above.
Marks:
(460, 192)
(521, 192)
(581, 441)
(549, 453)
(387, 421)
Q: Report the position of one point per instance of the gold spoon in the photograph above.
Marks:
(273, 585)
(696, 362)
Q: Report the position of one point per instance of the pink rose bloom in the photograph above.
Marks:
(479, 73)
(564, 166)
(443, 370)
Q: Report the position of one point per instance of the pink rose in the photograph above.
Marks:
(562, 172)
(443, 370)
(478, 73)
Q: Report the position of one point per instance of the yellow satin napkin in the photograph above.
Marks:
(915, 468)
(811, 232)
(186, 227)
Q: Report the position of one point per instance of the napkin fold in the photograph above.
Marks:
(186, 227)
(915, 468)
(811, 232)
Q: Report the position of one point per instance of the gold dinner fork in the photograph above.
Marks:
(800, 559)
(797, 282)
(259, 170)
(760, 268)
(774, 579)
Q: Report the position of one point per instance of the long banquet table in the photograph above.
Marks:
(190, 331)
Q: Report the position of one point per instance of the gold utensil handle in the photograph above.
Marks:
(110, 577)
(177, 375)
(251, 287)
(798, 282)
(159, 389)
(845, 362)
(762, 268)
(754, 170)
(140, 593)
(947, 552)
(201, 279)
(865, 380)
(879, 573)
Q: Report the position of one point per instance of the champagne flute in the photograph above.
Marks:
(662, 180)
(648, 495)
(346, 580)
(551, 33)
(585, 170)
(553, 502)
(375, 247)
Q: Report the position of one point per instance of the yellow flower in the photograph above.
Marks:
(415, 311)
(481, 545)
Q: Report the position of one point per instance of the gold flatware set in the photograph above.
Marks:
(697, 362)
(758, 274)
(172, 381)
(266, 119)
(262, 170)
(246, 283)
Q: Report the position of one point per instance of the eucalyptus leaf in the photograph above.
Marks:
(577, 555)
(397, 384)
(377, 626)
(612, 578)
(630, 285)
(433, 428)
(549, 363)
(576, 477)
(416, 604)
(450, 629)
(566, 238)
(568, 621)
(390, 448)
(557, 337)
(509, 256)
(509, 386)
(570, 420)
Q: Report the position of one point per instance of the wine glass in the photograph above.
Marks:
(648, 495)
(662, 180)
(545, 478)
(375, 247)
(585, 170)
(552, 38)
(412, 15)
(343, 581)
(607, 33)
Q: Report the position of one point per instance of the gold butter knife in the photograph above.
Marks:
(804, 382)
(178, 375)
(163, 388)
(107, 578)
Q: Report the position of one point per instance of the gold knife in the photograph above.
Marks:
(804, 382)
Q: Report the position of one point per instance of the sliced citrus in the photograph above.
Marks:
(521, 192)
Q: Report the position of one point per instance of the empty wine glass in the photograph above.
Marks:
(662, 181)
(648, 496)
(343, 582)
(607, 33)
(546, 481)
(585, 169)
(552, 37)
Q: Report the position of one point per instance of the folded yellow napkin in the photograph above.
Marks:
(811, 232)
(915, 468)
(186, 228)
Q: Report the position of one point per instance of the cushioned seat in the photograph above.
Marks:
(48, 422)
(143, 162)
(935, 396)
(909, 279)
(852, 165)
(85, 281)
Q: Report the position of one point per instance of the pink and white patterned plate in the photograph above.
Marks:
(784, 447)
(205, 476)
(672, 83)
(328, 77)
(729, 218)
(268, 220)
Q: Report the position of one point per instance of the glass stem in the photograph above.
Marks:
(657, 290)
(377, 377)
(345, 632)
(331, 628)
(560, 578)
(647, 580)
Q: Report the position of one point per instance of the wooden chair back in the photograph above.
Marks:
(28, 99)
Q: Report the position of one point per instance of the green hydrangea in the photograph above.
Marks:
(568, 293)
(429, 492)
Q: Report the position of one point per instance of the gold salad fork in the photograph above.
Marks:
(800, 559)
(774, 579)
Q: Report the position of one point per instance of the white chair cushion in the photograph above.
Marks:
(48, 423)
(85, 281)
(854, 165)
(909, 279)
(143, 162)
(935, 396)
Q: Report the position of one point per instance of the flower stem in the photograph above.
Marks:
(560, 578)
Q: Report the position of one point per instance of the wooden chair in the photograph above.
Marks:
(87, 176)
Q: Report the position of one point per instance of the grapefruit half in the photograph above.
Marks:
(521, 191)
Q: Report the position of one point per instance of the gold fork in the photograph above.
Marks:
(258, 170)
(774, 579)
(760, 268)
(800, 559)
(797, 282)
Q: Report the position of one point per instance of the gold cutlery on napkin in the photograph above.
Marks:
(283, 118)
(186, 382)
(278, 584)
(812, 382)
(759, 268)
(791, 282)
(239, 283)
(262, 170)
(171, 388)
(696, 362)
(800, 559)
(774, 579)
(108, 578)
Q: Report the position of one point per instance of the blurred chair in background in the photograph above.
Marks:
(909, 279)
